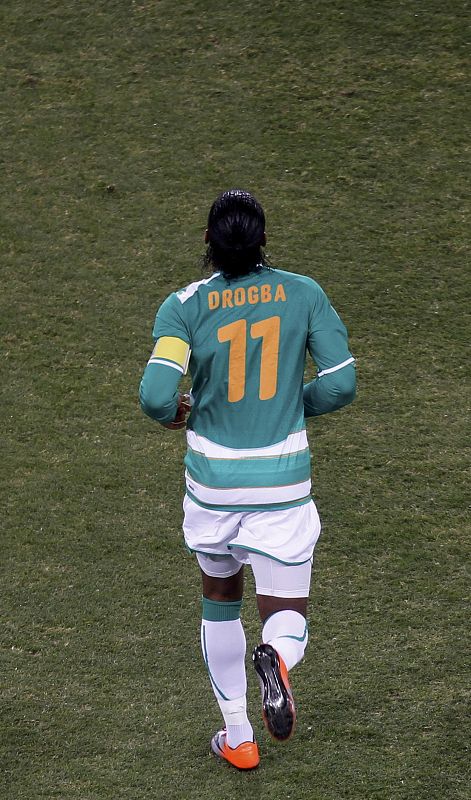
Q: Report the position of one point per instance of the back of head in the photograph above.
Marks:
(236, 234)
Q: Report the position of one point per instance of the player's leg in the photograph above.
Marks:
(223, 644)
(282, 592)
(207, 533)
(282, 545)
(282, 598)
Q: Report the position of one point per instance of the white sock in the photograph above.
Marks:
(223, 645)
(238, 727)
(286, 631)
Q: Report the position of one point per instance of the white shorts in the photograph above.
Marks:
(287, 536)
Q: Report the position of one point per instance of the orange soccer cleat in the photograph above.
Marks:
(245, 756)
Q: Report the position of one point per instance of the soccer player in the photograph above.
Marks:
(243, 333)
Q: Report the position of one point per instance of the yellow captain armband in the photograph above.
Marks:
(172, 352)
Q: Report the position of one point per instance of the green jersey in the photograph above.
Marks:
(248, 337)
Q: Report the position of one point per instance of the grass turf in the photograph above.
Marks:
(121, 122)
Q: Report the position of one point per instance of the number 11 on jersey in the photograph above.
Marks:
(268, 330)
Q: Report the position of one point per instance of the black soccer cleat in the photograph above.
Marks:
(279, 712)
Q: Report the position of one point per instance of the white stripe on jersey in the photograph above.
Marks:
(247, 495)
(190, 290)
(334, 369)
(294, 443)
(166, 364)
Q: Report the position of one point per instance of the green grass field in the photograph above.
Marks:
(121, 121)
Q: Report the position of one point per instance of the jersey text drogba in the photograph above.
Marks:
(229, 298)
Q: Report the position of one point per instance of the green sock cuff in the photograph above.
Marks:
(216, 611)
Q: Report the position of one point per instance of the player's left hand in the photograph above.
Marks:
(184, 408)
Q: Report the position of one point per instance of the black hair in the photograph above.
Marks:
(236, 229)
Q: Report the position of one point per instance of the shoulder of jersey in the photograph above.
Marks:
(296, 277)
(188, 291)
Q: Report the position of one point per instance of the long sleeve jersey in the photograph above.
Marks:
(245, 342)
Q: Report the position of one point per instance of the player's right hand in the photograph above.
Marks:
(184, 408)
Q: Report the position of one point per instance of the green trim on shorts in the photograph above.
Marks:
(247, 508)
(216, 611)
(267, 555)
(216, 556)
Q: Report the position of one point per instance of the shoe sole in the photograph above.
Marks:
(279, 711)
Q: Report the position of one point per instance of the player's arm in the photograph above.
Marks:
(335, 383)
(158, 392)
